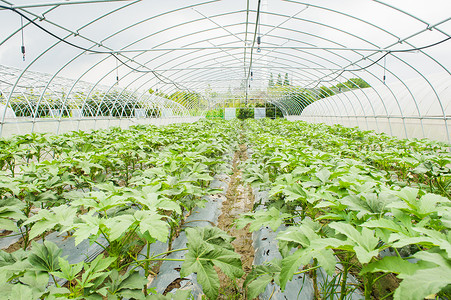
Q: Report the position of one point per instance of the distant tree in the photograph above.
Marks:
(353, 83)
(324, 92)
(279, 80)
(151, 91)
(359, 82)
(185, 97)
(271, 80)
(286, 81)
(341, 87)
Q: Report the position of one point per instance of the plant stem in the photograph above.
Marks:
(315, 279)
(154, 258)
(146, 267)
(343, 290)
(397, 252)
(368, 286)
(167, 259)
(379, 277)
(54, 280)
(386, 296)
(103, 247)
(105, 236)
(306, 270)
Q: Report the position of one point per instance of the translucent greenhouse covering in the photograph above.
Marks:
(88, 64)
(405, 109)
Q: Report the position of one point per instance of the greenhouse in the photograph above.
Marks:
(225, 149)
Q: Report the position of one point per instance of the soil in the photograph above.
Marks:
(239, 200)
(20, 244)
(5, 233)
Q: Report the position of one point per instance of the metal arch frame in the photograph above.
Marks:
(279, 26)
(234, 25)
(196, 20)
(429, 27)
(66, 38)
(355, 63)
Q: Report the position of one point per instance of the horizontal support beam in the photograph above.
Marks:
(244, 47)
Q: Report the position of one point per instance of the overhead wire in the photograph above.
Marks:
(245, 36)
(115, 55)
(253, 43)
(83, 48)
(384, 56)
(22, 48)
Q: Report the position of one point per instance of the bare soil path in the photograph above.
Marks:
(239, 200)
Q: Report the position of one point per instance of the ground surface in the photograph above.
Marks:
(239, 200)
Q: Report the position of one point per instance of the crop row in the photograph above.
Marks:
(415, 162)
(130, 188)
(348, 214)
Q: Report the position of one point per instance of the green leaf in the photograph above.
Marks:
(423, 283)
(271, 217)
(209, 246)
(38, 280)
(151, 222)
(228, 261)
(258, 286)
(99, 264)
(383, 223)
(206, 274)
(365, 255)
(132, 281)
(128, 285)
(7, 224)
(291, 264)
(326, 260)
(364, 242)
(301, 235)
(294, 192)
(22, 292)
(323, 175)
(365, 204)
(68, 271)
(429, 237)
(260, 276)
(118, 226)
(57, 292)
(435, 256)
(13, 264)
(393, 264)
(90, 225)
(45, 220)
(408, 194)
(428, 204)
(44, 257)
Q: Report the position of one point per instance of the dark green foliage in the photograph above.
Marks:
(271, 80)
(279, 80)
(272, 111)
(245, 113)
(286, 81)
(353, 83)
(324, 92)
(113, 104)
(32, 108)
(184, 97)
(215, 113)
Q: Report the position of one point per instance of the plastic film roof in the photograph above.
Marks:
(99, 59)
